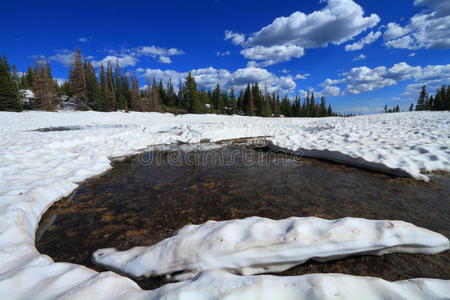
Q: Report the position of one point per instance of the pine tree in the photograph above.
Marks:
(92, 87)
(216, 94)
(233, 103)
(266, 110)
(191, 95)
(330, 110)
(421, 102)
(112, 100)
(180, 96)
(171, 96)
(44, 87)
(9, 94)
(135, 102)
(322, 108)
(411, 107)
(250, 109)
(77, 77)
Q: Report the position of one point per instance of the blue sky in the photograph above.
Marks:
(361, 54)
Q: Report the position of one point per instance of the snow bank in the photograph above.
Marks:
(222, 285)
(38, 168)
(260, 245)
(403, 144)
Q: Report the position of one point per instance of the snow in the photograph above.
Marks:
(222, 285)
(38, 168)
(260, 245)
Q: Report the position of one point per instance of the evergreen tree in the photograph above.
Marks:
(171, 96)
(77, 77)
(9, 94)
(44, 87)
(92, 87)
(233, 102)
(180, 96)
(191, 95)
(323, 107)
(411, 107)
(112, 99)
(266, 110)
(216, 98)
(421, 102)
(250, 109)
(135, 98)
(329, 110)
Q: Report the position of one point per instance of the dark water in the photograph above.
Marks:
(143, 199)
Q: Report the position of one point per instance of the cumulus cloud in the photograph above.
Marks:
(225, 53)
(234, 37)
(426, 30)
(301, 76)
(84, 39)
(287, 37)
(154, 51)
(272, 55)
(363, 79)
(165, 60)
(209, 77)
(64, 57)
(440, 6)
(368, 39)
(359, 57)
(338, 22)
(125, 57)
(124, 61)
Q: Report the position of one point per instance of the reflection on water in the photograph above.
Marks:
(138, 204)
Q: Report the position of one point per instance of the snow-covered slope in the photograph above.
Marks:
(38, 168)
(260, 245)
(222, 285)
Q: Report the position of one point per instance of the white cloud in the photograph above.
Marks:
(359, 57)
(331, 91)
(84, 39)
(363, 79)
(394, 31)
(165, 60)
(412, 54)
(234, 37)
(301, 76)
(124, 61)
(439, 6)
(162, 54)
(125, 57)
(426, 30)
(272, 55)
(368, 39)
(287, 37)
(154, 51)
(225, 53)
(64, 57)
(209, 77)
(338, 22)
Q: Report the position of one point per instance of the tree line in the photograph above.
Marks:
(439, 101)
(112, 89)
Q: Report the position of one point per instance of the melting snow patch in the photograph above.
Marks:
(260, 245)
(38, 168)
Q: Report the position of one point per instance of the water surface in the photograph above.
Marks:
(145, 198)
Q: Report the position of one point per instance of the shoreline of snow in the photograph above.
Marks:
(220, 285)
(258, 245)
(339, 157)
(40, 168)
